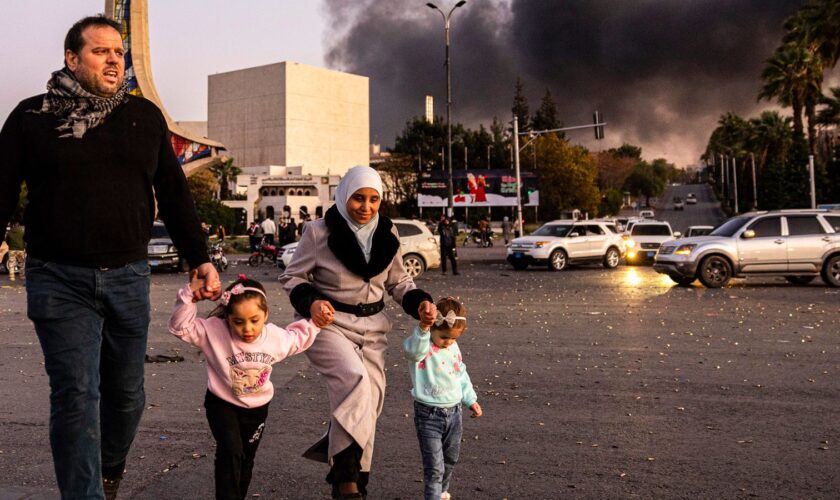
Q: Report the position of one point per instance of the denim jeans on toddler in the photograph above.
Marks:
(439, 432)
(92, 325)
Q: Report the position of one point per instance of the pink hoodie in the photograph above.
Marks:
(238, 372)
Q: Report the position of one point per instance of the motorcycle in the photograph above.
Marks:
(217, 257)
(264, 252)
(476, 238)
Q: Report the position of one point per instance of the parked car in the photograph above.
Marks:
(797, 244)
(643, 240)
(679, 204)
(691, 199)
(162, 251)
(560, 243)
(420, 248)
(698, 231)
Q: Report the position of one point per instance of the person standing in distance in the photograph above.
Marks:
(102, 158)
(447, 244)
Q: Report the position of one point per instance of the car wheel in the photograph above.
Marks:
(715, 271)
(413, 265)
(558, 260)
(831, 271)
(255, 260)
(519, 265)
(682, 280)
(612, 258)
(800, 280)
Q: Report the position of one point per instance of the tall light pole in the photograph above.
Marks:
(450, 205)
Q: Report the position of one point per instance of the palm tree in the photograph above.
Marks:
(225, 172)
(819, 28)
(797, 37)
(770, 136)
(830, 114)
(786, 78)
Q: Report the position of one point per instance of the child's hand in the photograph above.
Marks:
(196, 284)
(476, 410)
(322, 313)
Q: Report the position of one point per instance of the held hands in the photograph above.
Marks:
(322, 313)
(476, 410)
(210, 286)
(427, 312)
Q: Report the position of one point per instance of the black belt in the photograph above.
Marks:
(360, 310)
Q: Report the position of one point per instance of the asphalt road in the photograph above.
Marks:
(595, 384)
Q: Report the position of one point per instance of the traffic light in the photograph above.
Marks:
(599, 129)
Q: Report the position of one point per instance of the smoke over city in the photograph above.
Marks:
(660, 71)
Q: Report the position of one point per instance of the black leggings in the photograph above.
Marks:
(237, 432)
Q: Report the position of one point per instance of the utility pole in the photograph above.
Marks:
(518, 182)
(735, 183)
(755, 186)
(811, 175)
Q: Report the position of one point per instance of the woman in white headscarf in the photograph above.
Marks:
(341, 270)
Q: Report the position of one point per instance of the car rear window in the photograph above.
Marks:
(651, 230)
(833, 221)
(408, 229)
(804, 224)
(159, 231)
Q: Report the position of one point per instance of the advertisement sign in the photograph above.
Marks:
(476, 188)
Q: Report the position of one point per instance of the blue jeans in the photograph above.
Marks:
(439, 432)
(92, 325)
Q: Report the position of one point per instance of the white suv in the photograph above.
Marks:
(420, 248)
(562, 242)
(644, 240)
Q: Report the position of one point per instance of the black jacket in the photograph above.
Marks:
(92, 200)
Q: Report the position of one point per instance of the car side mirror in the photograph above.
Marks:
(574, 235)
(677, 234)
(748, 234)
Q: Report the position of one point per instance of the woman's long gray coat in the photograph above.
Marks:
(350, 353)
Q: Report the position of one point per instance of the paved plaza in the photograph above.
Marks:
(595, 383)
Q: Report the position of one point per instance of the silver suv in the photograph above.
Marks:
(644, 238)
(797, 244)
(562, 242)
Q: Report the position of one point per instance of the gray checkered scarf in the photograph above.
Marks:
(78, 109)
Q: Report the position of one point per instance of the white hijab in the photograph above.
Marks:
(357, 178)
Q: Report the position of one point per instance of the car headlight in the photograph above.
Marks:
(171, 248)
(685, 249)
(541, 244)
(630, 243)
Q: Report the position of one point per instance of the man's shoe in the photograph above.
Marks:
(456, 273)
(111, 486)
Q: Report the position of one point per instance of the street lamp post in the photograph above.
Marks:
(450, 205)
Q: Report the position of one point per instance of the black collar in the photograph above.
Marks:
(345, 247)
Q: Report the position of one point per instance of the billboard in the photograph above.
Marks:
(476, 188)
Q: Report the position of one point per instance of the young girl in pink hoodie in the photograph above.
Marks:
(240, 348)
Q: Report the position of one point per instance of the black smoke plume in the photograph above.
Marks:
(661, 71)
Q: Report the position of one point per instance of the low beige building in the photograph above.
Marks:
(279, 191)
(291, 114)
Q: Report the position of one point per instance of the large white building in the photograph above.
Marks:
(291, 114)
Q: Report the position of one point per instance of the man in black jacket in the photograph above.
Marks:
(100, 157)
(447, 244)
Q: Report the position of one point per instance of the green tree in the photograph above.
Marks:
(612, 202)
(424, 141)
(546, 116)
(643, 181)
(830, 114)
(567, 177)
(399, 176)
(627, 151)
(520, 107)
(225, 172)
(203, 187)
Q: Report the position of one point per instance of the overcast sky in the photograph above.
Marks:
(661, 71)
